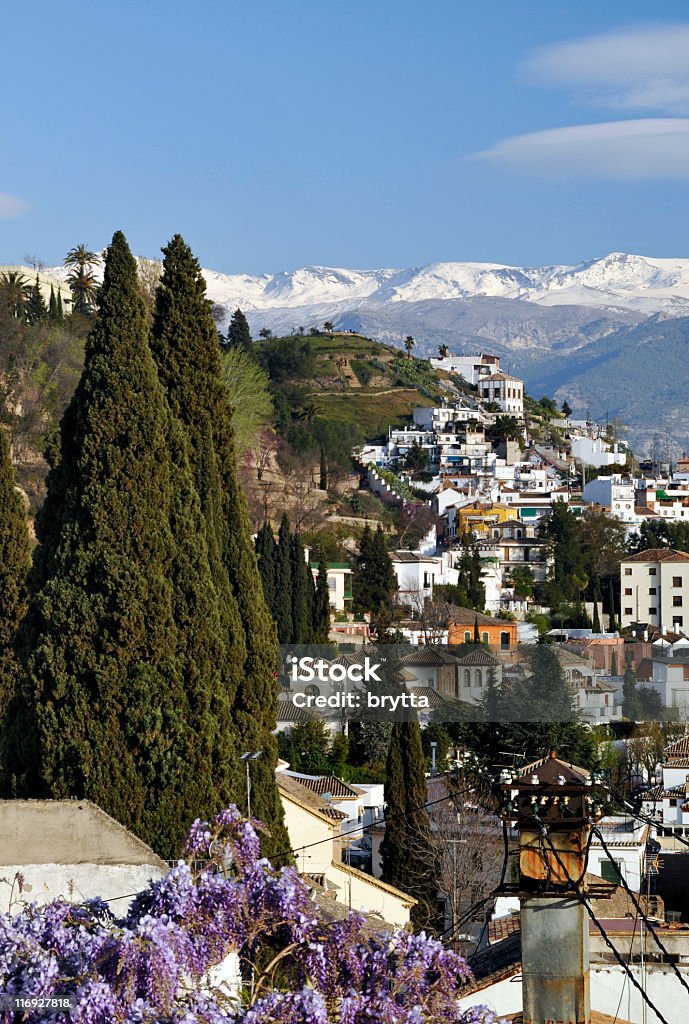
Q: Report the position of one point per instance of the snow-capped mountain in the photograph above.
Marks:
(619, 280)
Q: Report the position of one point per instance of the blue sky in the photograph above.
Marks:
(365, 134)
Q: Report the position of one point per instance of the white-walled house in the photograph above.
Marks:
(626, 838)
(594, 451)
(655, 589)
(416, 574)
(71, 849)
(339, 584)
(472, 367)
(615, 493)
(506, 391)
(314, 828)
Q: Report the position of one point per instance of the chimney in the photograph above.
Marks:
(551, 807)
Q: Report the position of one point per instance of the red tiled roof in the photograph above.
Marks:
(337, 789)
(658, 555)
(680, 748)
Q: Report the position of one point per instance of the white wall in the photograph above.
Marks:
(77, 882)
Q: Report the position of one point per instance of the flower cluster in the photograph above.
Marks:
(224, 938)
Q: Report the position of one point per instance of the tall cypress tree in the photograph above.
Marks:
(266, 554)
(238, 332)
(59, 311)
(406, 849)
(283, 583)
(185, 346)
(52, 306)
(15, 557)
(110, 707)
(302, 593)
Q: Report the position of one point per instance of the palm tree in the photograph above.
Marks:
(327, 326)
(15, 292)
(82, 280)
(443, 351)
(409, 345)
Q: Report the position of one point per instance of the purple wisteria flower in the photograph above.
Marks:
(225, 906)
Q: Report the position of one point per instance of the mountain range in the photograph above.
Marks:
(610, 335)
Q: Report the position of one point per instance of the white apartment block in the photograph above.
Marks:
(654, 587)
(507, 392)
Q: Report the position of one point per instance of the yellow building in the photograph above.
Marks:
(480, 516)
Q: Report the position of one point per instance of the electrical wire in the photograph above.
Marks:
(629, 957)
(644, 817)
(606, 939)
(639, 909)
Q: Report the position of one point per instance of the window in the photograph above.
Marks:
(652, 572)
(484, 638)
(652, 611)
(652, 590)
(673, 803)
(504, 639)
(426, 580)
(677, 601)
(611, 870)
(312, 691)
(478, 677)
(627, 591)
(627, 572)
(628, 611)
(467, 677)
(677, 581)
(678, 620)
(467, 637)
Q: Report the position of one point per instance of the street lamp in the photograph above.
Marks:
(247, 758)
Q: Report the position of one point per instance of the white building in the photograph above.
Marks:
(593, 451)
(507, 392)
(626, 839)
(655, 589)
(472, 367)
(615, 493)
(416, 574)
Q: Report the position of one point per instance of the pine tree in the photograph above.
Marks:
(106, 710)
(406, 849)
(185, 347)
(321, 618)
(15, 558)
(490, 701)
(36, 309)
(238, 332)
(283, 583)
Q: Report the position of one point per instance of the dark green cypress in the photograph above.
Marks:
(15, 559)
(323, 482)
(59, 311)
(238, 333)
(266, 554)
(612, 624)
(185, 345)
(283, 583)
(407, 848)
(52, 306)
(321, 618)
(36, 309)
(490, 701)
(106, 710)
(302, 593)
(374, 581)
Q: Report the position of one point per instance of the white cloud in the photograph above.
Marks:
(11, 206)
(645, 148)
(645, 68)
